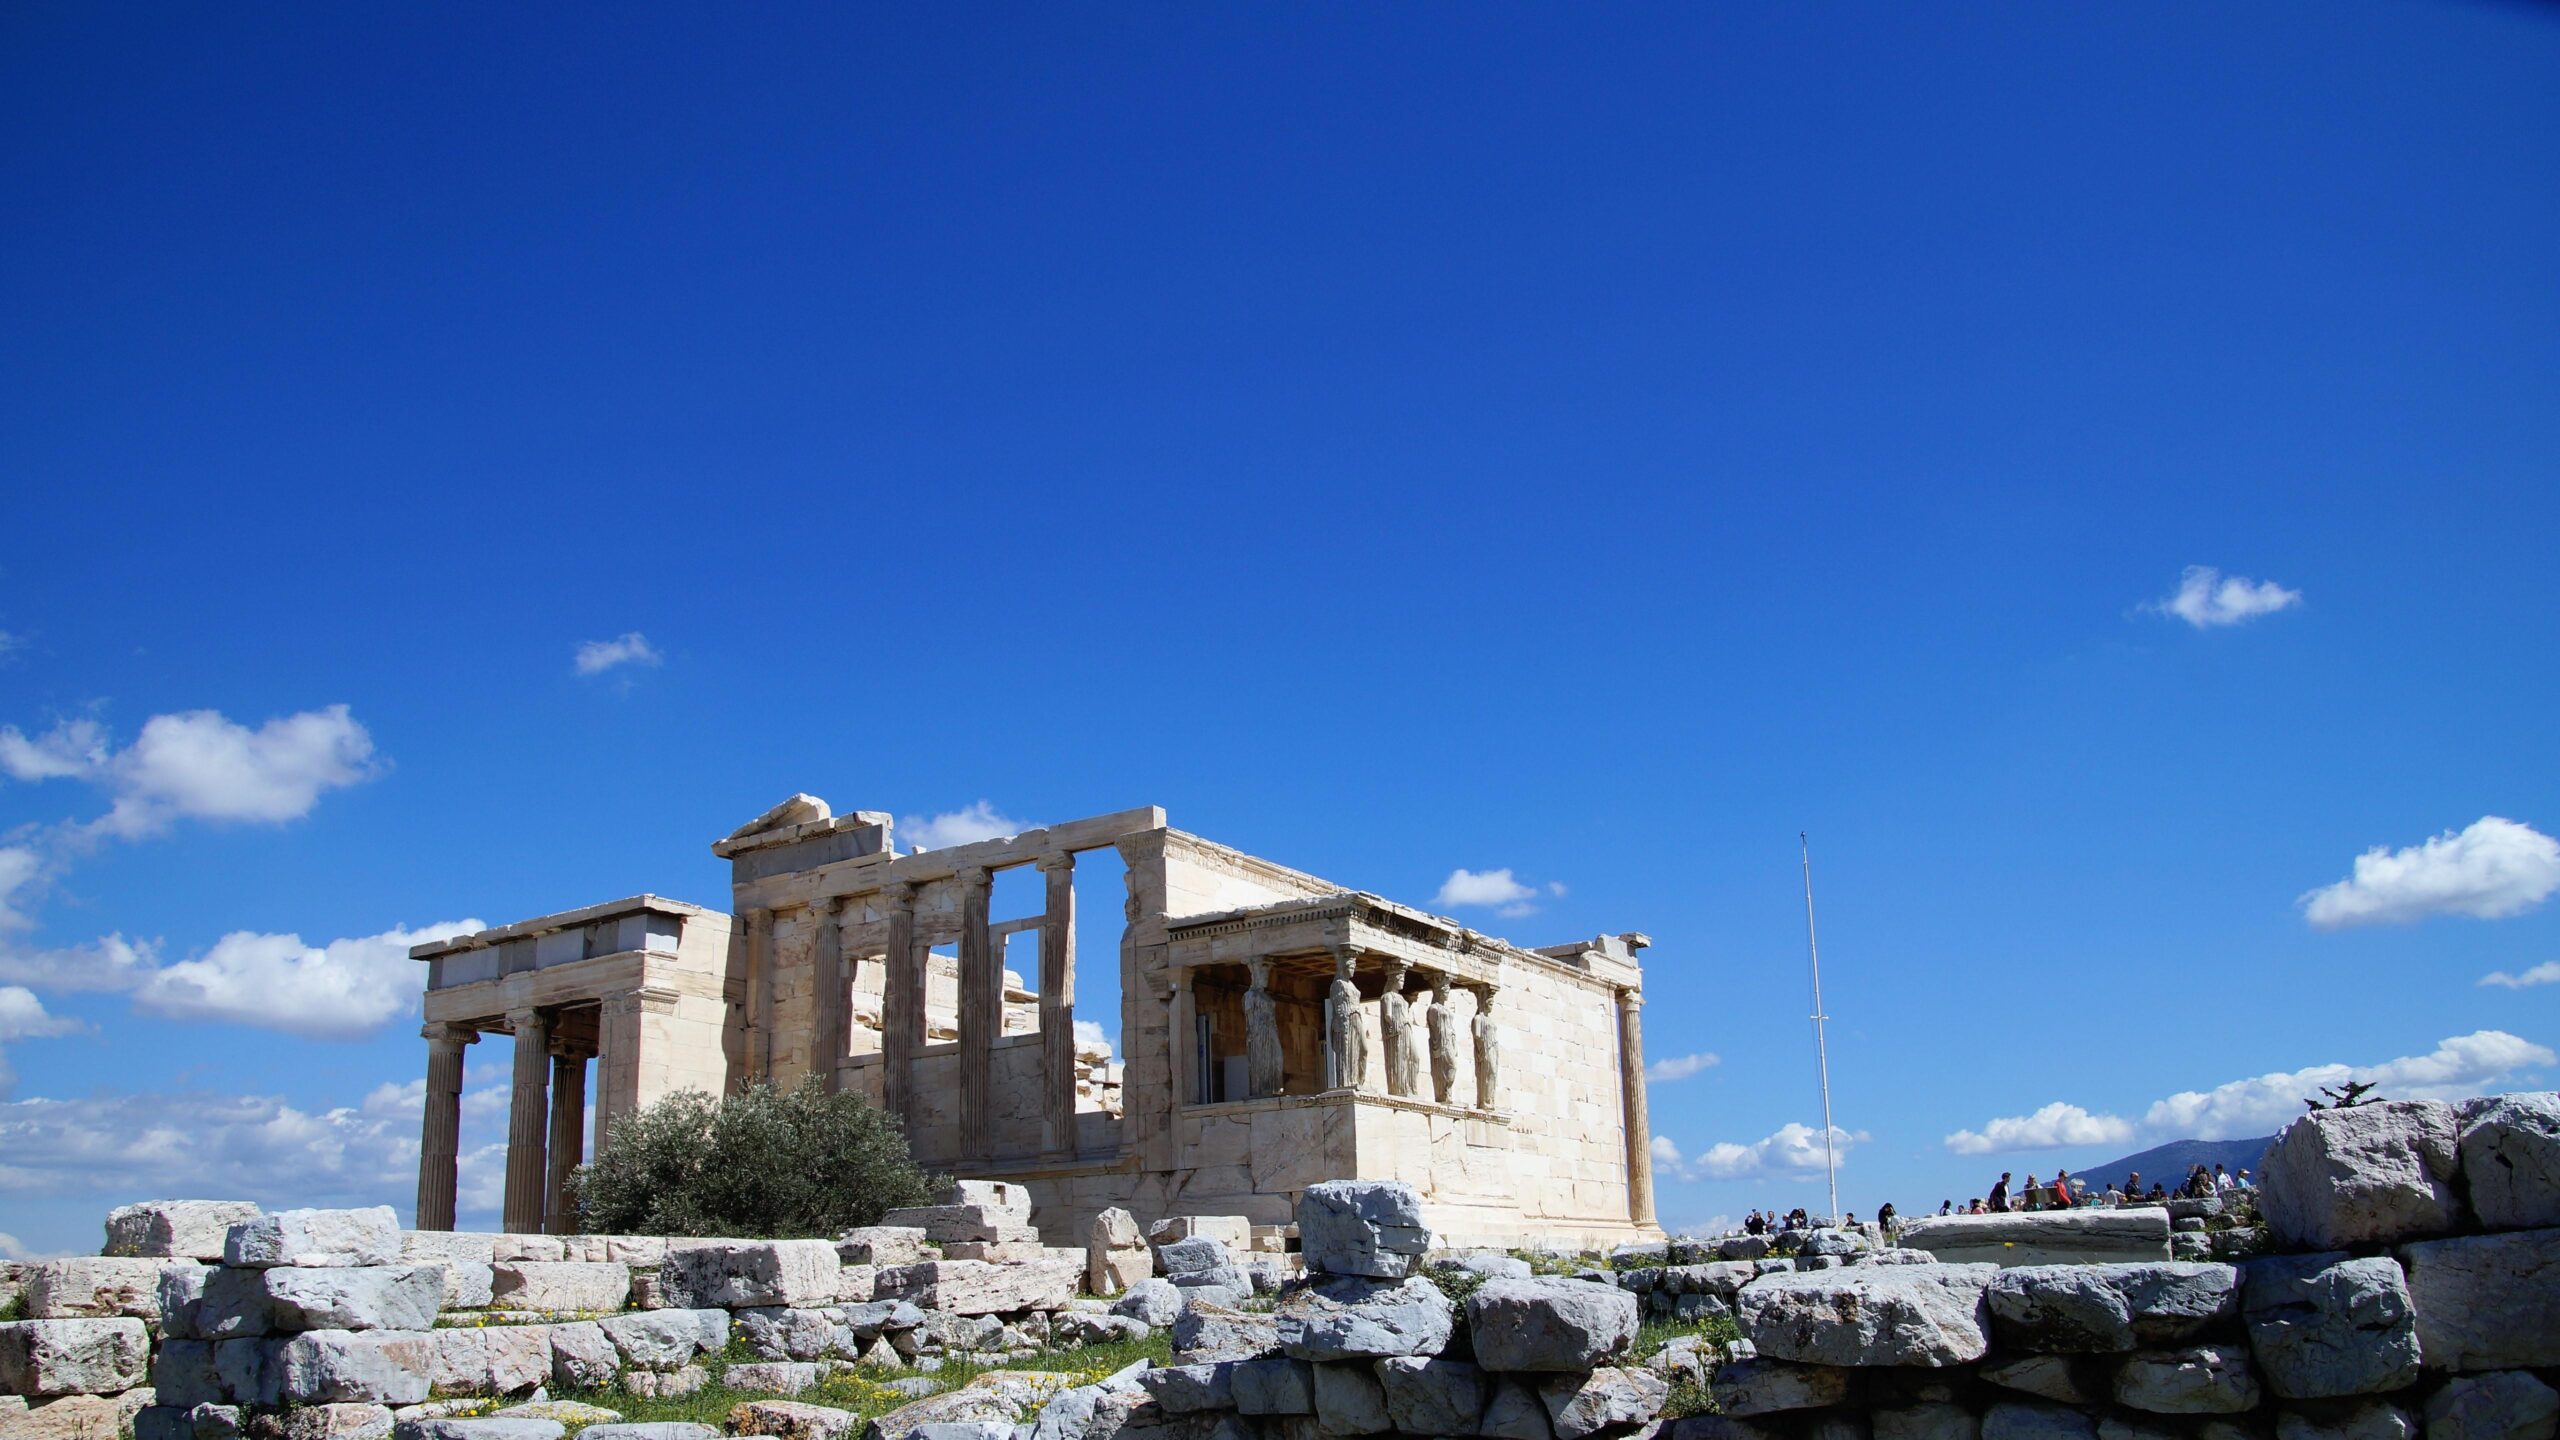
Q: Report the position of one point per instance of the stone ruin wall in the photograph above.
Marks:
(2410, 1284)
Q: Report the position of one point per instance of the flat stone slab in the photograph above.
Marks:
(174, 1229)
(2042, 1237)
(1932, 1315)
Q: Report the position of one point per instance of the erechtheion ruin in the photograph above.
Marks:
(1276, 1030)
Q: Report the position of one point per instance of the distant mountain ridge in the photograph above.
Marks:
(2170, 1163)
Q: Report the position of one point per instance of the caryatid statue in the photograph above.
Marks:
(1264, 1067)
(1488, 1048)
(1443, 1022)
(1345, 1027)
(1395, 1024)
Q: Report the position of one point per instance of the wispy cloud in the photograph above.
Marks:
(2460, 1066)
(1790, 1150)
(629, 648)
(2206, 598)
(2490, 869)
(2546, 973)
(1680, 1067)
(23, 1017)
(981, 821)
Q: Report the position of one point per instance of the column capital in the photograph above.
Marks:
(1397, 968)
(446, 1032)
(1058, 860)
(759, 914)
(898, 894)
(972, 877)
(529, 1017)
(1630, 998)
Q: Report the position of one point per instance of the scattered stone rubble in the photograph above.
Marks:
(2408, 1280)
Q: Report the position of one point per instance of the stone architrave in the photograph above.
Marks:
(1264, 1064)
(1395, 1028)
(1488, 1048)
(1443, 1027)
(1346, 1026)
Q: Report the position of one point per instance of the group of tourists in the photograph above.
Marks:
(2063, 1192)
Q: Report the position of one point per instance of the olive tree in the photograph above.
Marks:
(759, 1164)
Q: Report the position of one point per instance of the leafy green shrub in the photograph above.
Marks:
(761, 1164)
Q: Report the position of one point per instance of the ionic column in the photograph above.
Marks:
(568, 1140)
(981, 1011)
(1638, 1126)
(759, 995)
(527, 1119)
(832, 1007)
(1058, 1005)
(1186, 1041)
(440, 1141)
(902, 1014)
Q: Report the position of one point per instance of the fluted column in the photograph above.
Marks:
(1058, 1005)
(832, 1007)
(440, 1139)
(527, 1121)
(981, 1011)
(759, 996)
(568, 1144)
(1639, 1125)
(902, 1012)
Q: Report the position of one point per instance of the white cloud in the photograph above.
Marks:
(12, 1249)
(629, 648)
(1680, 1067)
(1497, 890)
(19, 868)
(2050, 1128)
(71, 748)
(959, 827)
(1091, 1033)
(23, 1017)
(2546, 973)
(198, 765)
(10, 643)
(335, 991)
(2459, 1067)
(2491, 869)
(1791, 1149)
(110, 963)
(2206, 597)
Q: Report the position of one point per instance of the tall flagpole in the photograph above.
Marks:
(1821, 1046)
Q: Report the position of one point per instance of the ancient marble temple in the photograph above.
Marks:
(1276, 1029)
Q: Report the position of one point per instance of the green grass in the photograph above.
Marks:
(865, 1391)
(1687, 1396)
(13, 1308)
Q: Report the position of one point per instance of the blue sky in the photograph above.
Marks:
(1596, 444)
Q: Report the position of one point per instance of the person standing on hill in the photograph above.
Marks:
(2000, 1193)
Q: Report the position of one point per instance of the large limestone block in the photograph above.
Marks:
(999, 1397)
(2511, 1159)
(380, 1297)
(2042, 1237)
(778, 1334)
(1184, 1389)
(975, 1287)
(1609, 1398)
(2365, 1419)
(2071, 1379)
(1279, 1386)
(1002, 1195)
(650, 1430)
(2099, 1309)
(2506, 1405)
(944, 1224)
(1353, 1317)
(1200, 1261)
(1116, 1255)
(582, 1356)
(1928, 1420)
(174, 1229)
(1362, 1227)
(183, 1374)
(1156, 1302)
(72, 1417)
(1204, 1333)
(2487, 1302)
(1233, 1231)
(2192, 1380)
(216, 1303)
(1767, 1387)
(666, 1339)
(381, 1367)
(336, 1422)
(72, 1357)
(564, 1286)
(90, 1287)
(2327, 1325)
(883, 1245)
(729, 1274)
(1870, 1315)
(486, 1427)
(1350, 1401)
(2367, 1175)
(1550, 1324)
(250, 1369)
(1432, 1397)
(314, 1237)
(489, 1360)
